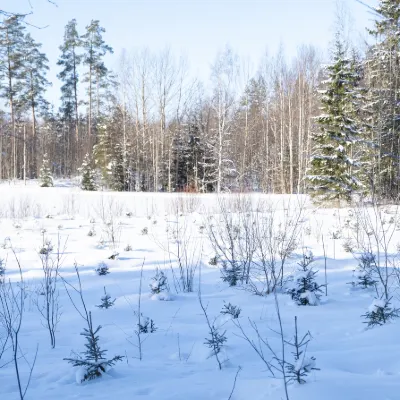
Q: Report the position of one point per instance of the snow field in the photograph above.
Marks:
(355, 363)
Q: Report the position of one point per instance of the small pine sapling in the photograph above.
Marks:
(215, 342)
(364, 274)
(213, 261)
(230, 309)
(45, 177)
(88, 174)
(2, 270)
(380, 312)
(102, 269)
(302, 365)
(159, 283)
(231, 273)
(306, 290)
(93, 358)
(146, 325)
(106, 301)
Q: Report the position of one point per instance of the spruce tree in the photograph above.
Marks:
(45, 177)
(88, 174)
(382, 106)
(330, 175)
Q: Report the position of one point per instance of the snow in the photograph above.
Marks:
(355, 363)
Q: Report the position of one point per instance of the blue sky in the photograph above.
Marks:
(197, 28)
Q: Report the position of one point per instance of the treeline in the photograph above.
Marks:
(149, 126)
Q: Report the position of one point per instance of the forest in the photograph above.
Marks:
(295, 126)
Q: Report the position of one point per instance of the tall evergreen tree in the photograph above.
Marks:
(70, 60)
(34, 81)
(96, 77)
(383, 105)
(330, 176)
(12, 37)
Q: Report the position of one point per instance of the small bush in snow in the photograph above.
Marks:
(102, 269)
(92, 360)
(348, 245)
(231, 273)
(46, 249)
(380, 312)
(230, 309)
(91, 232)
(364, 274)
(145, 231)
(2, 270)
(213, 261)
(159, 283)
(128, 247)
(302, 365)
(305, 290)
(147, 326)
(216, 340)
(106, 301)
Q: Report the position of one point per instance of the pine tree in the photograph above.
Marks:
(330, 175)
(34, 84)
(12, 38)
(45, 177)
(69, 60)
(88, 174)
(97, 76)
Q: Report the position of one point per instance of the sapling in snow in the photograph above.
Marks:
(380, 312)
(106, 301)
(305, 290)
(159, 283)
(231, 273)
(88, 174)
(45, 177)
(102, 269)
(302, 366)
(92, 360)
(2, 270)
(230, 309)
(364, 274)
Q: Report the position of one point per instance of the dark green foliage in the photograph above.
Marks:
(231, 273)
(88, 174)
(302, 365)
(103, 269)
(380, 313)
(45, 177)
(330, 176)
(216, 340)
(230, 309)
(93, 358)
(147, 326)
(305, 290)
(106, 301)
(159, 283)
(365, 271)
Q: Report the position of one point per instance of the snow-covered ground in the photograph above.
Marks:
(355, 363)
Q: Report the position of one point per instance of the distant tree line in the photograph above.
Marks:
(288, 127)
